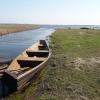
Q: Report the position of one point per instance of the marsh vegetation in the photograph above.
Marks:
(12, 28)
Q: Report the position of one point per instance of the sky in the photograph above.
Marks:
(61, 12)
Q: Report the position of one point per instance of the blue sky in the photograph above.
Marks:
(50, 11)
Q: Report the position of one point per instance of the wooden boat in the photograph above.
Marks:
(23, 68)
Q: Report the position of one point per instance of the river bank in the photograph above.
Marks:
(73, 70)
(12, 28)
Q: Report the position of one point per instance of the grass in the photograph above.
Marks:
(73, 72)
(12, 28)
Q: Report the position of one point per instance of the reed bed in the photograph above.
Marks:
(12, 28)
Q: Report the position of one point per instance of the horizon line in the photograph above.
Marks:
(52, 24)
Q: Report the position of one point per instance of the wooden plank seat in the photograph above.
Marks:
(43, 42)
(30, 61)
(40, 53)
(42, 47)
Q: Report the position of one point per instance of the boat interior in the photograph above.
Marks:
(30, 58)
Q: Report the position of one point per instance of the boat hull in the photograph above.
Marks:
(14, 83)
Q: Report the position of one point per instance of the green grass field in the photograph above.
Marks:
(73, 72)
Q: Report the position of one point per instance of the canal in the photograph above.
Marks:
(11, 45)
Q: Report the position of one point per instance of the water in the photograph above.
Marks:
(11, 45)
